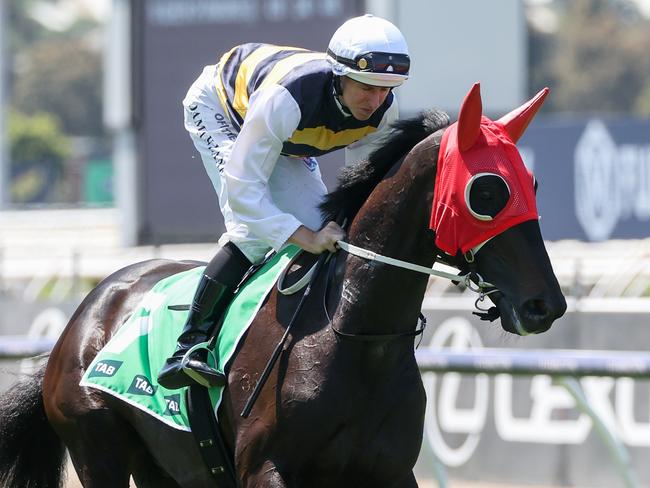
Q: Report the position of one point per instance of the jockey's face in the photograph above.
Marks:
(361, 99)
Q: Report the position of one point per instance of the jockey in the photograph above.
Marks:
(259, 118)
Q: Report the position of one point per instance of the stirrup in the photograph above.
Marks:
(192, 373)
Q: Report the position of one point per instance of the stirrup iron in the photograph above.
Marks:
(192, 373)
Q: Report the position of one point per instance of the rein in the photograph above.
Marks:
(465, 279)
(478, 285)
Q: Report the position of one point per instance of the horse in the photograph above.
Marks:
(344, 406)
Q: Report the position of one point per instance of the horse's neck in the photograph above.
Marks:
(375, 297)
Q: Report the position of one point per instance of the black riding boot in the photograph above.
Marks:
(212, 297)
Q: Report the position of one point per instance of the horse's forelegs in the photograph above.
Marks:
(268, 476)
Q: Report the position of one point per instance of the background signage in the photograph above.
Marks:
(594, 177)
(526, 429)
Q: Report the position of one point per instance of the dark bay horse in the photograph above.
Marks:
(335, 411)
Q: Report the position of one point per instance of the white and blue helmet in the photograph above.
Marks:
(370, 50)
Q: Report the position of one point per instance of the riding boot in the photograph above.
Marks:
(212, 297)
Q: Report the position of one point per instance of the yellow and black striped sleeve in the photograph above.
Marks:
(307, 76)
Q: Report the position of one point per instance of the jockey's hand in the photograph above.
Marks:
(318, 242)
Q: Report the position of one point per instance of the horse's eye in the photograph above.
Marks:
(486, 194)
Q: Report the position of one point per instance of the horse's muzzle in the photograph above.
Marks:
(534, 316)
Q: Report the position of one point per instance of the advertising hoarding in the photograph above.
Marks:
(593, 175)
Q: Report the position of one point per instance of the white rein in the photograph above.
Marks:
(465, 279)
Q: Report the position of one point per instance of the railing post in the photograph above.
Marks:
(616, 448)
(2, 271)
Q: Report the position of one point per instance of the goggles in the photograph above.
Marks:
(376, 62)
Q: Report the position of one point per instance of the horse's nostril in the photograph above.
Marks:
(536, 309)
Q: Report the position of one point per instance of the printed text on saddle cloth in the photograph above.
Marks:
(476, 146)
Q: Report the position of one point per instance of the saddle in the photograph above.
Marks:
(209, 438)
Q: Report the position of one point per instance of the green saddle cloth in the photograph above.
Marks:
(128, 365)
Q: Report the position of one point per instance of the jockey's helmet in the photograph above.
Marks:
(370, 50)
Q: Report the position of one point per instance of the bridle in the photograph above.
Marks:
(478, 285)
(471, 280)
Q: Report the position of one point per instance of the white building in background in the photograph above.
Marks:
(454, 44)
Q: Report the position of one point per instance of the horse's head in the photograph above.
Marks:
(485, 216)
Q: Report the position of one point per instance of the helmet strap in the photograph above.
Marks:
(338, 94)
(338, 89)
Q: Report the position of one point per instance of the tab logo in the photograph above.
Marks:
(106, 368)
(173, 404)
(141, 386)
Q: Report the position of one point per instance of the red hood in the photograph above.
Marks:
(473, 145)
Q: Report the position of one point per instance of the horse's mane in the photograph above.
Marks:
(356, 182)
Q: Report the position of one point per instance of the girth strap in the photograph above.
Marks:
(217, 457)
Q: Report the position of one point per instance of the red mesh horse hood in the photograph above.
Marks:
(473, 146)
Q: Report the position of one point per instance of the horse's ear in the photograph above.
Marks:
(516, 121)
(469, 119)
